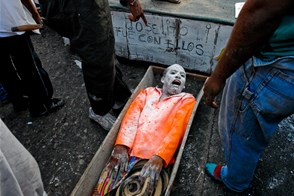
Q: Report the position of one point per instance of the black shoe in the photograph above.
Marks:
(21, 104)
(39, 111)
(20, 107)
(55, 104)
(4, 100)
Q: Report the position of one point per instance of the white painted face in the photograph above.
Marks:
(174, 80)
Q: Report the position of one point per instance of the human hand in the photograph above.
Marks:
(136, 10)
(212, 88)
(151, 169)
(119, 159)
(38, 19)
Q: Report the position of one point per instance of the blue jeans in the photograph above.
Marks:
(255, 100)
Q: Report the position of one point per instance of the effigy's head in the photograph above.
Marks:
(173, 79)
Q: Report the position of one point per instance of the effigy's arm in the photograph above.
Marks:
(128, 128)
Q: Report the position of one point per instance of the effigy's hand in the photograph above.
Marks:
(151, 169)
(136, 11)
(119, 159)
(212, 88)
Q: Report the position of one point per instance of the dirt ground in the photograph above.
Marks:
(63, 143)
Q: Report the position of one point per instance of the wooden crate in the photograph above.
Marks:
(152, 77)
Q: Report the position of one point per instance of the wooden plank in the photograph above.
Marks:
(90, 176)
(194, 44)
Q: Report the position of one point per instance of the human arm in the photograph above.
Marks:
(127, 132)
(136, 10)
(32, 9)
(255, 24)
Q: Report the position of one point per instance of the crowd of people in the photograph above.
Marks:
(254, 74)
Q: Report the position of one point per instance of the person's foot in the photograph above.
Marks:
(106, 121)
(21, 104)
(214, 171)
(4, 100)
(20, 108)
(54, 105)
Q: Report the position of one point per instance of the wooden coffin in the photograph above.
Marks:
(152, 77)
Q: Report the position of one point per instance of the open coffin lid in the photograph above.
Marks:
(194, 85)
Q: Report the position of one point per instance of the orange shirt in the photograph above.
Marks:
(153, 127)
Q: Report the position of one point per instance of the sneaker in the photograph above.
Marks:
(214, 171)
(106, 121)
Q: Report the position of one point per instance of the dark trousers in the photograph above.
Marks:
(94, 42)
(104, 86)
(21, 73)
(88, 24)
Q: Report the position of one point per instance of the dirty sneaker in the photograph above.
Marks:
(106, 121)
